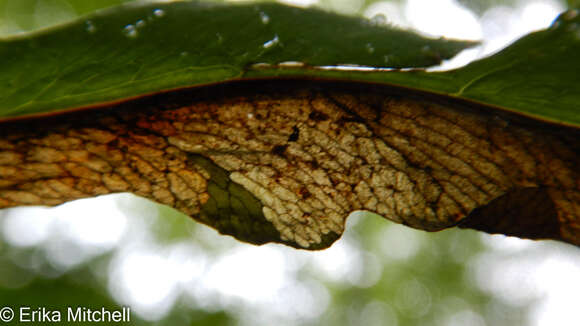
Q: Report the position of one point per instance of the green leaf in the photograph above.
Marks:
(128, 51)
(573, 3)
(133, 50)
(536, 76)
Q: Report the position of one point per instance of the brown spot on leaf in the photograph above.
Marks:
(317, 116)
(279, 149)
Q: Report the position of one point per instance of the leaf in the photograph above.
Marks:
(287, 159)
(134, 50)
(536, 76)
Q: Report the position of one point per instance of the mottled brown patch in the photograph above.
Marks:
(306, 154)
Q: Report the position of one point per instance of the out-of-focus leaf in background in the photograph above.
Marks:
(25, 15)
(380, 273)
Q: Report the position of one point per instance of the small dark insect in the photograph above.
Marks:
(294, 135)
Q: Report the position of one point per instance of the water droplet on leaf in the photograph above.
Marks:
(140, 23)
(272, 42)
(158, 13)
(264, 18)
(130, 31)
(291, 64)
(90, 27)
(261, 65)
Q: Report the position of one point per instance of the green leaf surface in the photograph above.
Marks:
(536, 76)
(132, 50)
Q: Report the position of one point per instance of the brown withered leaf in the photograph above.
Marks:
(288, 160)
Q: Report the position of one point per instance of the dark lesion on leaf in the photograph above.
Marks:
(522, 212)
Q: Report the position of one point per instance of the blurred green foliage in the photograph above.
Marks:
(25, 15)
(427, 285)
(79, 288)
(426, 288)
(480, 6)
